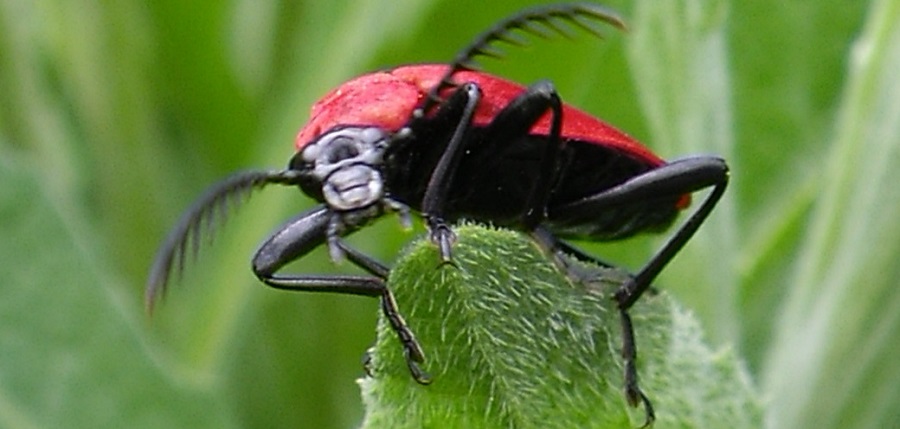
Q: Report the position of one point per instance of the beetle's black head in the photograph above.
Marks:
(342, 168)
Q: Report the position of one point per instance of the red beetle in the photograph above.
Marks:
(453, 143)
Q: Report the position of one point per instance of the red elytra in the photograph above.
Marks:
(387, 99)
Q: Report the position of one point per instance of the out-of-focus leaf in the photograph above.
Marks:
(833, 364)
(678, 56)
(72, 349)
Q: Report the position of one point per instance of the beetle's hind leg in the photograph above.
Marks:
(564, 256)
(633, 393)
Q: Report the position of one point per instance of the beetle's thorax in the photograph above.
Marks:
(346, 162)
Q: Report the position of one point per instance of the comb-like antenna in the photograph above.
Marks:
(542, 21)
(201, 219)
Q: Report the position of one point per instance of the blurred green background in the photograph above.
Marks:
(114, 115)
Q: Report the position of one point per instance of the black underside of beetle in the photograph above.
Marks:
(495, 179)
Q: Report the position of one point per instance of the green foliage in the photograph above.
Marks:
(114, 115)
(512, 342)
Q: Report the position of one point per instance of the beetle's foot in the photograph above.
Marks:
(418, 373)
(414, 357)
(635, 397)
(624, 296)
(443, 236)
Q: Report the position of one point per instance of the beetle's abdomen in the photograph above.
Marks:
(494, 182)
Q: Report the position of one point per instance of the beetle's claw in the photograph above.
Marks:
(636, 397)
(418, 373)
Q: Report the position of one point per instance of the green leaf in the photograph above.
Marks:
(512, 342)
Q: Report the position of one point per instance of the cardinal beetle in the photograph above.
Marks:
(454, 143)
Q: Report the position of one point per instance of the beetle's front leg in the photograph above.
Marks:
(310, 230)
(365, 286)
(466, 97)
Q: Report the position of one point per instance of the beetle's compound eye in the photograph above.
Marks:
(347, 163)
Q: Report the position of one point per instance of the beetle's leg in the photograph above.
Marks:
(441, 178)
(366, 286)
(673, 179)
(308, 231)
(562, 251)
(516, 120)
(633, 393)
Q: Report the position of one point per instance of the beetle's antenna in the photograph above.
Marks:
(201, 218)
(542, 21)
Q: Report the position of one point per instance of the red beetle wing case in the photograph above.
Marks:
(379, 99)
(387, 99)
